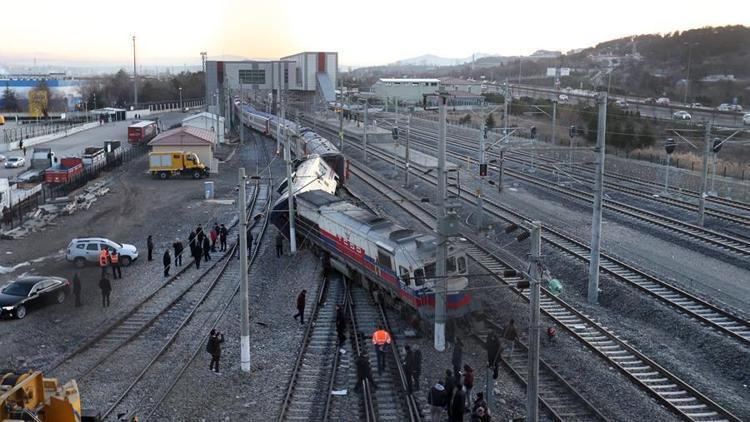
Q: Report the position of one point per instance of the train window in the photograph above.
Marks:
(462, 265)
(384, 259)
(429, 271)
(419, 277)
(450, 265)
(404, 274)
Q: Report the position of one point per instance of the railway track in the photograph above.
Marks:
(655, 187)
(722, 320)
(308, 395)
(735, 245)
(561, 400)
(670, 390)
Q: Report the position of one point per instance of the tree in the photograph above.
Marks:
(10, 101)
(465, 119)
(646, 135)
(490, 122)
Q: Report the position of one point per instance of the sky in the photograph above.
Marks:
(362, 32)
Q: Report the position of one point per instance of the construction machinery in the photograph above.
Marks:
(28, 396)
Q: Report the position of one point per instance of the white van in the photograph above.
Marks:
(746, 119)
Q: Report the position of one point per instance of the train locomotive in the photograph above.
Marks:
(362, 245)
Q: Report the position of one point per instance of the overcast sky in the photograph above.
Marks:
(363, 32)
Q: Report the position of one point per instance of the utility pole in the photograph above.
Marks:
(704, 179)
(341, 115)
(135, 79)
(180, 89)
(479, 212)
(532, 387)
(442, 246)
(596, 221)
(500, 171)
(278, 126)
(364, 137)
(244, 294)
(289, 188)
(406, 157)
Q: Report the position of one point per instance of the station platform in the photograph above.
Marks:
(416, 158)
(375, 135)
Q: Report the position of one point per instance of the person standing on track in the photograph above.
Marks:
(167, 261)
(206, 248)
(381, 339)
(178, 249)
(457, 406)
(197, 253)
(249, 239)
(223, 232)
(215, 339)
(114, 258)
(437, 398)
(468, 384)
(340, 324)
(214, 235)
(364, 372)
(510, 335)
(301, 307)
(457, 358)
(493, 353)
(279, 246)
(150, 246)
(410, 367)
(77, 290)
(106, 288)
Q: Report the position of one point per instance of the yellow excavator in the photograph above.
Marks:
(28, 396)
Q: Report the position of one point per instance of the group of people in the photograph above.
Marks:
(107, 258)
(453, 395)
(200, 245)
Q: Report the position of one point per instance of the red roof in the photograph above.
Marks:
(186, 135)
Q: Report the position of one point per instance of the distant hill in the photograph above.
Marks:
(433, 60)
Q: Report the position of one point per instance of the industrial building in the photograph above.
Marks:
(305, 79)
(405, 90)
(455, 84)
(206, 121)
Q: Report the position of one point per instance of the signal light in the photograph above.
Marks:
(483, 170)
(717, 145)
(523, 236)
(670, 145)
(573, 131)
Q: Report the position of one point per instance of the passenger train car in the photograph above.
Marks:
(378, 252)
(306, 142)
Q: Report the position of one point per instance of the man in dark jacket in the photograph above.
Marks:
(178, 249)
(191, 242)
(301, 307)
(215, 339)
(468, 384)
(457, 359)
(364, 372)
(340, 324)
(417, 365)
(493, 353)
(450, 383)
(197, 254)
(437, 398)
(279, 246)
(510, 335)
(106, 288)
(150, 247)
(77, 290)
(167, 261)
(206, 248)
(410, 367)
(249, 238)
(223, 232)
(457, 406)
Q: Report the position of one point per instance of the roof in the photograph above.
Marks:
(183, 136)
(143, 123)
(202, 114)
(407, 80)
(463, 94)
(456, 81)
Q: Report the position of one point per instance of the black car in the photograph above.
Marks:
(18, 296)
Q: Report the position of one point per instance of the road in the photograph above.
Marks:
(73, 145)
(703, 114)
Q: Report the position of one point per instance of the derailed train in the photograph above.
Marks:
(359, 243)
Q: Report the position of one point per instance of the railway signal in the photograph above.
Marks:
(483, 170)
(669, 147)
(572, 132)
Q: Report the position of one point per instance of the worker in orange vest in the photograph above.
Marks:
(104, 260)
(114, 258)
(381, 340)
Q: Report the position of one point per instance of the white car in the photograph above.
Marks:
(724, 107)
(682, 115)
(746, 119)
(621, 103)
(14, 162)
(83, 250)
(662, 101)
(735, 107)
(563, 97)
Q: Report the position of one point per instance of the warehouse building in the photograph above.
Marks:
(304, 78)
(455, 84)
(205, 121)
(405, 90)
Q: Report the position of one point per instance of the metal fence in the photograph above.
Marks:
(17, 213)
(32, 130)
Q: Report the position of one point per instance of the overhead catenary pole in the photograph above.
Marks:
(135, 79)
(289, 185)
(704, 179)
(406, 157)
(479, 211)
(596, 220)
(532, 387)
(442, 247)
(341, 115)
(244, 296)
(364, 135)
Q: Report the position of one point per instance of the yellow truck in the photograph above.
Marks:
(165, 164)
(29, 396)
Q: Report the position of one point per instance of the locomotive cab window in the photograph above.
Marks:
(384, 259)
(450, 265)
(404, 274)
(461, 265)
(419, 277)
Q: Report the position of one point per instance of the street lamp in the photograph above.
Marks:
(180, 89)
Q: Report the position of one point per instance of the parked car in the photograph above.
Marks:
(563, 97)
(746, 119)
(696, 105)
(621, 103)
(83, 250)
(2, 158)
(662, 101)
(22, 294)
(15, 162)
(649, 100)
(724, 107)
(735, 107)
(681, 115)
